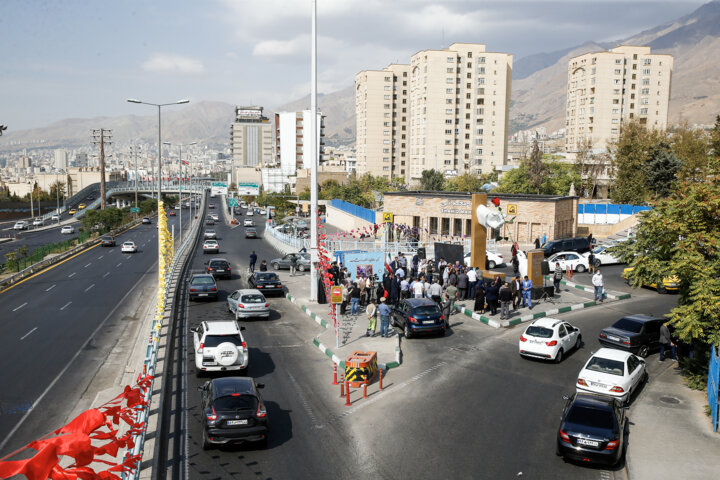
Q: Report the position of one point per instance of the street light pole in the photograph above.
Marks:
(180, 145)
(313, 160)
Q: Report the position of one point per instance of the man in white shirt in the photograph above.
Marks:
(400, 272)
(597, 281)
(472, 282)
(418, 289)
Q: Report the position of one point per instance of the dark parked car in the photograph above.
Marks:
(579, 244)
(303, 261)
(592, 429)
(266, 282)
(202, 285)
(418, 315)
(107, 241)
(219, 267)
(638, 334)
(251, 232)
(233, 412)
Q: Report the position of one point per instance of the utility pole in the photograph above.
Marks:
(134, 151)
(101, 137)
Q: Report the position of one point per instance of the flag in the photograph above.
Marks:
(184, 162)
(387, 263)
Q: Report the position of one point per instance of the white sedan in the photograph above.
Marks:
(211, 246)
(248, 223)
(611, 372)
(128, 247)
(549, 339)
(493, 259)
(578, 262)
(67, 230)
(602, 256)
(248, 303)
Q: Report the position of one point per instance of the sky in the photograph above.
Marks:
(62, 59)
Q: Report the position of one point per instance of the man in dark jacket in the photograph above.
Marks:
(505, 296)
(462, 285)
(667, 342)
(395, 290)
(447, 307)
(516, 290)
(491, 297)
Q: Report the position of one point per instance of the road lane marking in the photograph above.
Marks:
(71, 275)
(66, 305)
(28, 334)
(50, 288)
(118, 264)
(91, 286)
(88, 264)
(100, 257)
(108, 273)
(18, 308)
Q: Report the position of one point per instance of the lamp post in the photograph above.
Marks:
(134, 151)
(180, 145)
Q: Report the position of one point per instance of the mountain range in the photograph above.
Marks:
(538, 96)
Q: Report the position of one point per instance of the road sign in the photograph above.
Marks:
(134, 210)
(232, 202)
(219, 184)
(512, 209)
(388, 217)
(336, 295)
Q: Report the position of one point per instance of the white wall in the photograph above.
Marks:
(344, 221)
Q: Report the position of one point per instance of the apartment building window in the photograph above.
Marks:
(480, 131)
(618, 71)
(387, 97)
(449, 111)
(482, 60)
(616, 101)
(433, 225)
(388, 87)
(448, 142)
(387, 79)
(481, 81)
(448, 152)
(449, 90)
(645, 101)
(615, 120)
(449, 100)
(386, 168)
(479, 111)
(386, 142)
(448, 121)
(646, 71)
(450, 70)
(468, 95)
(646, 91)
(618, 61)
(481, 91)
(449, 80)
(386, 115)
(448, 132)
(646, 61)
(387, 106)
(615, 111)
(445, 227)
(450, 59)
(643, 111)
(613, 130)
(616, 81)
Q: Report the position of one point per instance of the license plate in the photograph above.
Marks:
(202, 294)
(614, 339)
(221, 271)
(590, 443)
(237, 422)
(209, 364)
(599, 385)
(428, 322)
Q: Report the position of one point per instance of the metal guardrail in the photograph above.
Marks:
(150, 363)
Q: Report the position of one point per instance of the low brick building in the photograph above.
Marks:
(443, 216)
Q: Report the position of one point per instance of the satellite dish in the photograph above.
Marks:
(489, 218)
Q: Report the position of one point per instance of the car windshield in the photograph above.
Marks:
(203, 281)
(591, 417)
(605, 365)
(211, 242)
(219, 264)
(252, 298)
(426, 310)
(235, 401)
(109, 239)
(541, 332)
(268, 277)
(628, 325)
(129, 244)
(212, 341)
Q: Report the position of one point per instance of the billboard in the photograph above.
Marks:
(218, 188)
(363, 263)
(450, 252)
(244, 188)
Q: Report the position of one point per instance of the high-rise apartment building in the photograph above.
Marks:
(292, 140)
(382, 113)
(251, 138)
(61, 159)
(448, 110)
(606, 89)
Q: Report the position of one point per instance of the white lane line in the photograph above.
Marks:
(47, 290)
(100, 257)
(18, 308)
(108, 273)
(71, 275)
(118, 264)
(91, 286)
(88, 264)
(28, 334)
(66, 305)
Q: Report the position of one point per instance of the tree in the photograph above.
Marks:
(588, 167)
(432, 180)
(662, 167)
(467, 182)
(681, 237)
(536, 168)
(691, 147)
(630, 160)
(715, 139)
(560, 176)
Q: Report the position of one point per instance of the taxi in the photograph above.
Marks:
(669, 284)
(81, 206)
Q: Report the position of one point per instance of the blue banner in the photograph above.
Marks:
(364, 263)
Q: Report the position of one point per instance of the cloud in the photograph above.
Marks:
(173, 63)
(282, 48)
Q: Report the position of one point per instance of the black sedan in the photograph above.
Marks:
(266, 282)
(233, 412)
(638, 334)
(219, 267)
(202, 286)
(592, 429)
(107, 241)
(418, 315)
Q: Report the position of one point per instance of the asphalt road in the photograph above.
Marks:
(58, 328)
(304, 441)
(34, 239)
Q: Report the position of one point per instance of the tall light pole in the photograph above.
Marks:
(180, 145)
(314, 160)
(134, 151)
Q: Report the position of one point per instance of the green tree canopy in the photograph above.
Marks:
(631, 153)
(662, 168)
(432, 180)
(560, 176)
(681, 237)
(467, 182)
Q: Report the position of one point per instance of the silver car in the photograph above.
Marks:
(303, 262)
(248, 303)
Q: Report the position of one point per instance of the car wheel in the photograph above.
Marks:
(276, 266)
(559, 356)
(301, 268)
(443, 332)
(228, 307)
(643, 352)
(491, 264)
(578, 342)
(206, 445)
(645, 378)
(597, 262)
(580, 268)
(406, 331)
(661, 289)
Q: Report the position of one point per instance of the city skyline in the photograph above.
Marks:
(60, 61)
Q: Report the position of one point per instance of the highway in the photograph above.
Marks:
(59, 327)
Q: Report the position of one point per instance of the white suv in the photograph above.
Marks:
(549, 339)
(219, 347)
(21, 225)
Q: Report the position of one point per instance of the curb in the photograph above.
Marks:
(325, 350)
(532, 316)
(614, 296)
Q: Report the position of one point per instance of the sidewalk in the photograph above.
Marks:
(352, 328)
(670, 435)
(572, 297)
